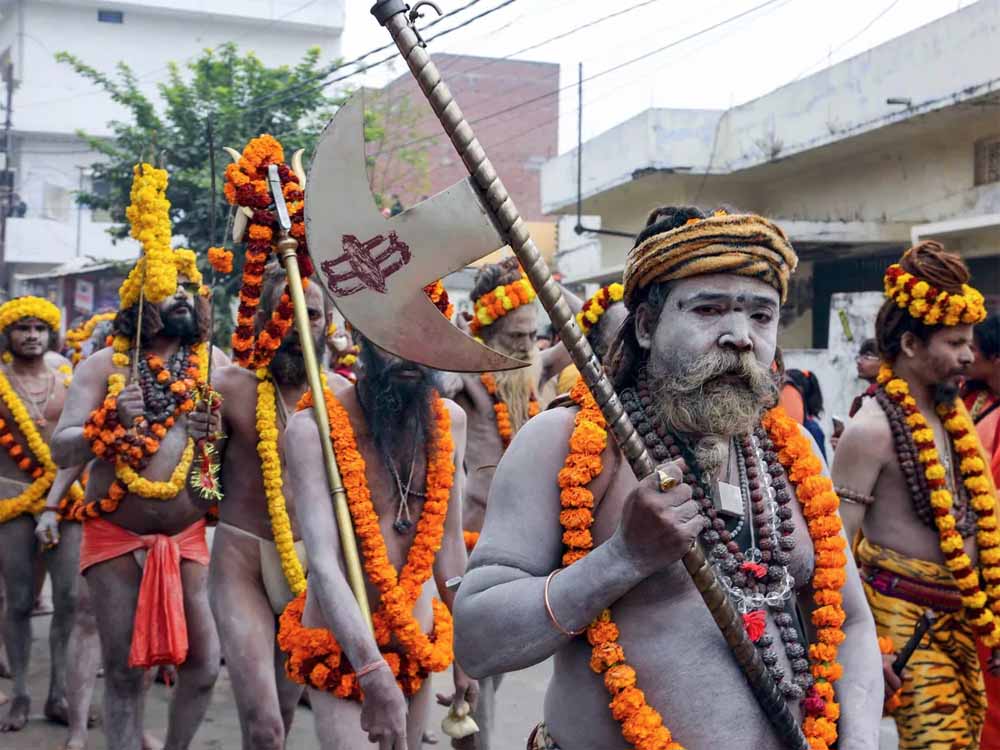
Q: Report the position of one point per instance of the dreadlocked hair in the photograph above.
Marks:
(929, 262)
(987, 336)
(492, 275)
(152, 323)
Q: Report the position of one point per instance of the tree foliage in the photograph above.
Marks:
(221, 98)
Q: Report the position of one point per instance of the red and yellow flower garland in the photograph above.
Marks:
(314, 656)
(502, 411)
(36, 462)
(597, 305)
(642, 725)
(247, 186)
(495, 304)
(113, 442)
(981, 607)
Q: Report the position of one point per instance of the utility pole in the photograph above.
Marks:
(8, 174)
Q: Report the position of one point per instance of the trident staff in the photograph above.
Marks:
(394, 16)
(286, 250)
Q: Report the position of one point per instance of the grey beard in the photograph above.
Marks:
(516, 388)
(690, 399)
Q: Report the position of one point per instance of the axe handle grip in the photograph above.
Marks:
(507, 218)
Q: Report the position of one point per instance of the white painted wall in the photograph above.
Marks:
(938, 66)
(52, 103)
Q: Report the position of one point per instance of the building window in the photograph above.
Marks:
(110, 16)
(102, 189)
(55, 202)
(988, 160)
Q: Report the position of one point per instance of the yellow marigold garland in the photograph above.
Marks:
(32, 500)
(981, 607)
(270, 469)
(494, 305)
(75, 337)
(137, 484)
(597, 305)
(642, 725)
(314, 656)
(29, 307)
(931, 305)
(155, 274)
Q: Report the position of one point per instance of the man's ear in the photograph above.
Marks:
(645, 325)
(909, 344)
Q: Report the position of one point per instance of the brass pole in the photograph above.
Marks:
(286, 248)
(392, 14)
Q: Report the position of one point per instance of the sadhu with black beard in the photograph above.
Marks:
(915, 480)
(400, 449)
(574, 544)
(144, 554)
(258, 560)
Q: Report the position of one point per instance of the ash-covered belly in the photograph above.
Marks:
(683, 666)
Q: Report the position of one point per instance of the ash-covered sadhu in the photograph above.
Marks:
(580, 561)
(914, 479)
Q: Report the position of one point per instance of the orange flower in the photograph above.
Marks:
(417, 654)
(220, 259)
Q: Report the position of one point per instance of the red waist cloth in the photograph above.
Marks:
(159, 631)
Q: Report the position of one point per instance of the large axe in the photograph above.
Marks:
(366, 262)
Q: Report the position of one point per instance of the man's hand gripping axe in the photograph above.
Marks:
(376, 270)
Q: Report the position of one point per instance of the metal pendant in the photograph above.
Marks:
(402, 526)
(728, 499)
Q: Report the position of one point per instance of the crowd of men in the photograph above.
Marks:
(494, 532)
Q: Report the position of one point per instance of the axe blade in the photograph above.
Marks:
(376, 268)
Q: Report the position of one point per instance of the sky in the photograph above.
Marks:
(756, 47)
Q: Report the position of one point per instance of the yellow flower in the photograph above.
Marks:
(19, 308)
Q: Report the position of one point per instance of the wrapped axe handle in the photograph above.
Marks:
(392, 14)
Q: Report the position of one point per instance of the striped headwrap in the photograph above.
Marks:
(742, 244)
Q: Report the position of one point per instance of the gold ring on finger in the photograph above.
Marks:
(665, 480)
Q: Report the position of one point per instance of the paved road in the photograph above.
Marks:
(520, 702)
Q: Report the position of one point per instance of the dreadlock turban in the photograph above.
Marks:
(745, 245)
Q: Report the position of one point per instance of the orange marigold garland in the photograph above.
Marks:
(642, 726)
(314, 656)
(246, 186)
(820, 505)
(439, 296)
(886, 648)
(501, 409)
(220, 259)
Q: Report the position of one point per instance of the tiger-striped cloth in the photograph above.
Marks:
(943, 700)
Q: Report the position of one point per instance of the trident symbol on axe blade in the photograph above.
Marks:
(495, 210)
(376, 268)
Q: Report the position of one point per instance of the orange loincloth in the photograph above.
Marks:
(159, 631)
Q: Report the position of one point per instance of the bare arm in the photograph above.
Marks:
(857, 464)
(451, 384)
(69, 447)
(501, 621)
(452, 559)
(47, 528)
(556, 358)
(306, 476)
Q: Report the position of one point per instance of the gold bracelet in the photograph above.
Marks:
(548, 608)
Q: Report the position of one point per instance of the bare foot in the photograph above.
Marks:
(430, 738)
(17, 717)
(75, 743)
(149, 742)
(57, 711)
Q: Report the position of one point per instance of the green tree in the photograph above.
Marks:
(221, 98)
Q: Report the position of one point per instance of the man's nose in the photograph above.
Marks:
(737, 336)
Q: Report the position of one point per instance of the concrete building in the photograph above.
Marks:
(51, 103)
(856, 162)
